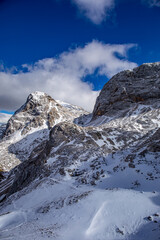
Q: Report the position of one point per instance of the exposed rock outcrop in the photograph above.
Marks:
(39, 110)
(2, 129)
(127, 88)
(29, 127)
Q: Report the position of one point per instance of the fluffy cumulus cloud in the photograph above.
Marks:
(62, 77)
(98, 10)
(152, 3)
(95, 10)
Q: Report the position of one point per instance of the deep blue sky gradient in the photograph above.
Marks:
(8, 112)
(32, 30)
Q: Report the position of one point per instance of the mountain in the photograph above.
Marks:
(67, 174)
(29, 127)
(127, 88)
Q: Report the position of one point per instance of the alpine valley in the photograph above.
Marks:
(66, 174)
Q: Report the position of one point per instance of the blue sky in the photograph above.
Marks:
(70, 48)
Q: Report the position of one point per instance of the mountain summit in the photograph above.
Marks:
(127, 88)
(40, 110)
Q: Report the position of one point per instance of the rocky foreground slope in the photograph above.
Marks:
(85, 176)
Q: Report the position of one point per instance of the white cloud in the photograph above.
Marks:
(98, 10)
(61, 77)
(95, 10)
(152, 3)
(4, 117)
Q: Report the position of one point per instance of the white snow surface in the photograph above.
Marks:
(60, 210)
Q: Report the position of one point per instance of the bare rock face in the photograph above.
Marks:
(2, 129)
(39, 110)
(29, 127)
(27, 171)
(140, 85)
(152, 144)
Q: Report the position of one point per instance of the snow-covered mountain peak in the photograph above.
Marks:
(37, 95)
(40, 98)
(40, 111)
(30, 126)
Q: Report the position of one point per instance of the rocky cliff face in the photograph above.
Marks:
(39, 110)
(29, 127)
(129, 88)
(117, 147)
(2, 129)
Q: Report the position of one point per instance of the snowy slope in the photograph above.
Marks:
(60, 210)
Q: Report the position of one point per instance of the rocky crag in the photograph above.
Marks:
(129, 88)
(30, 125)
